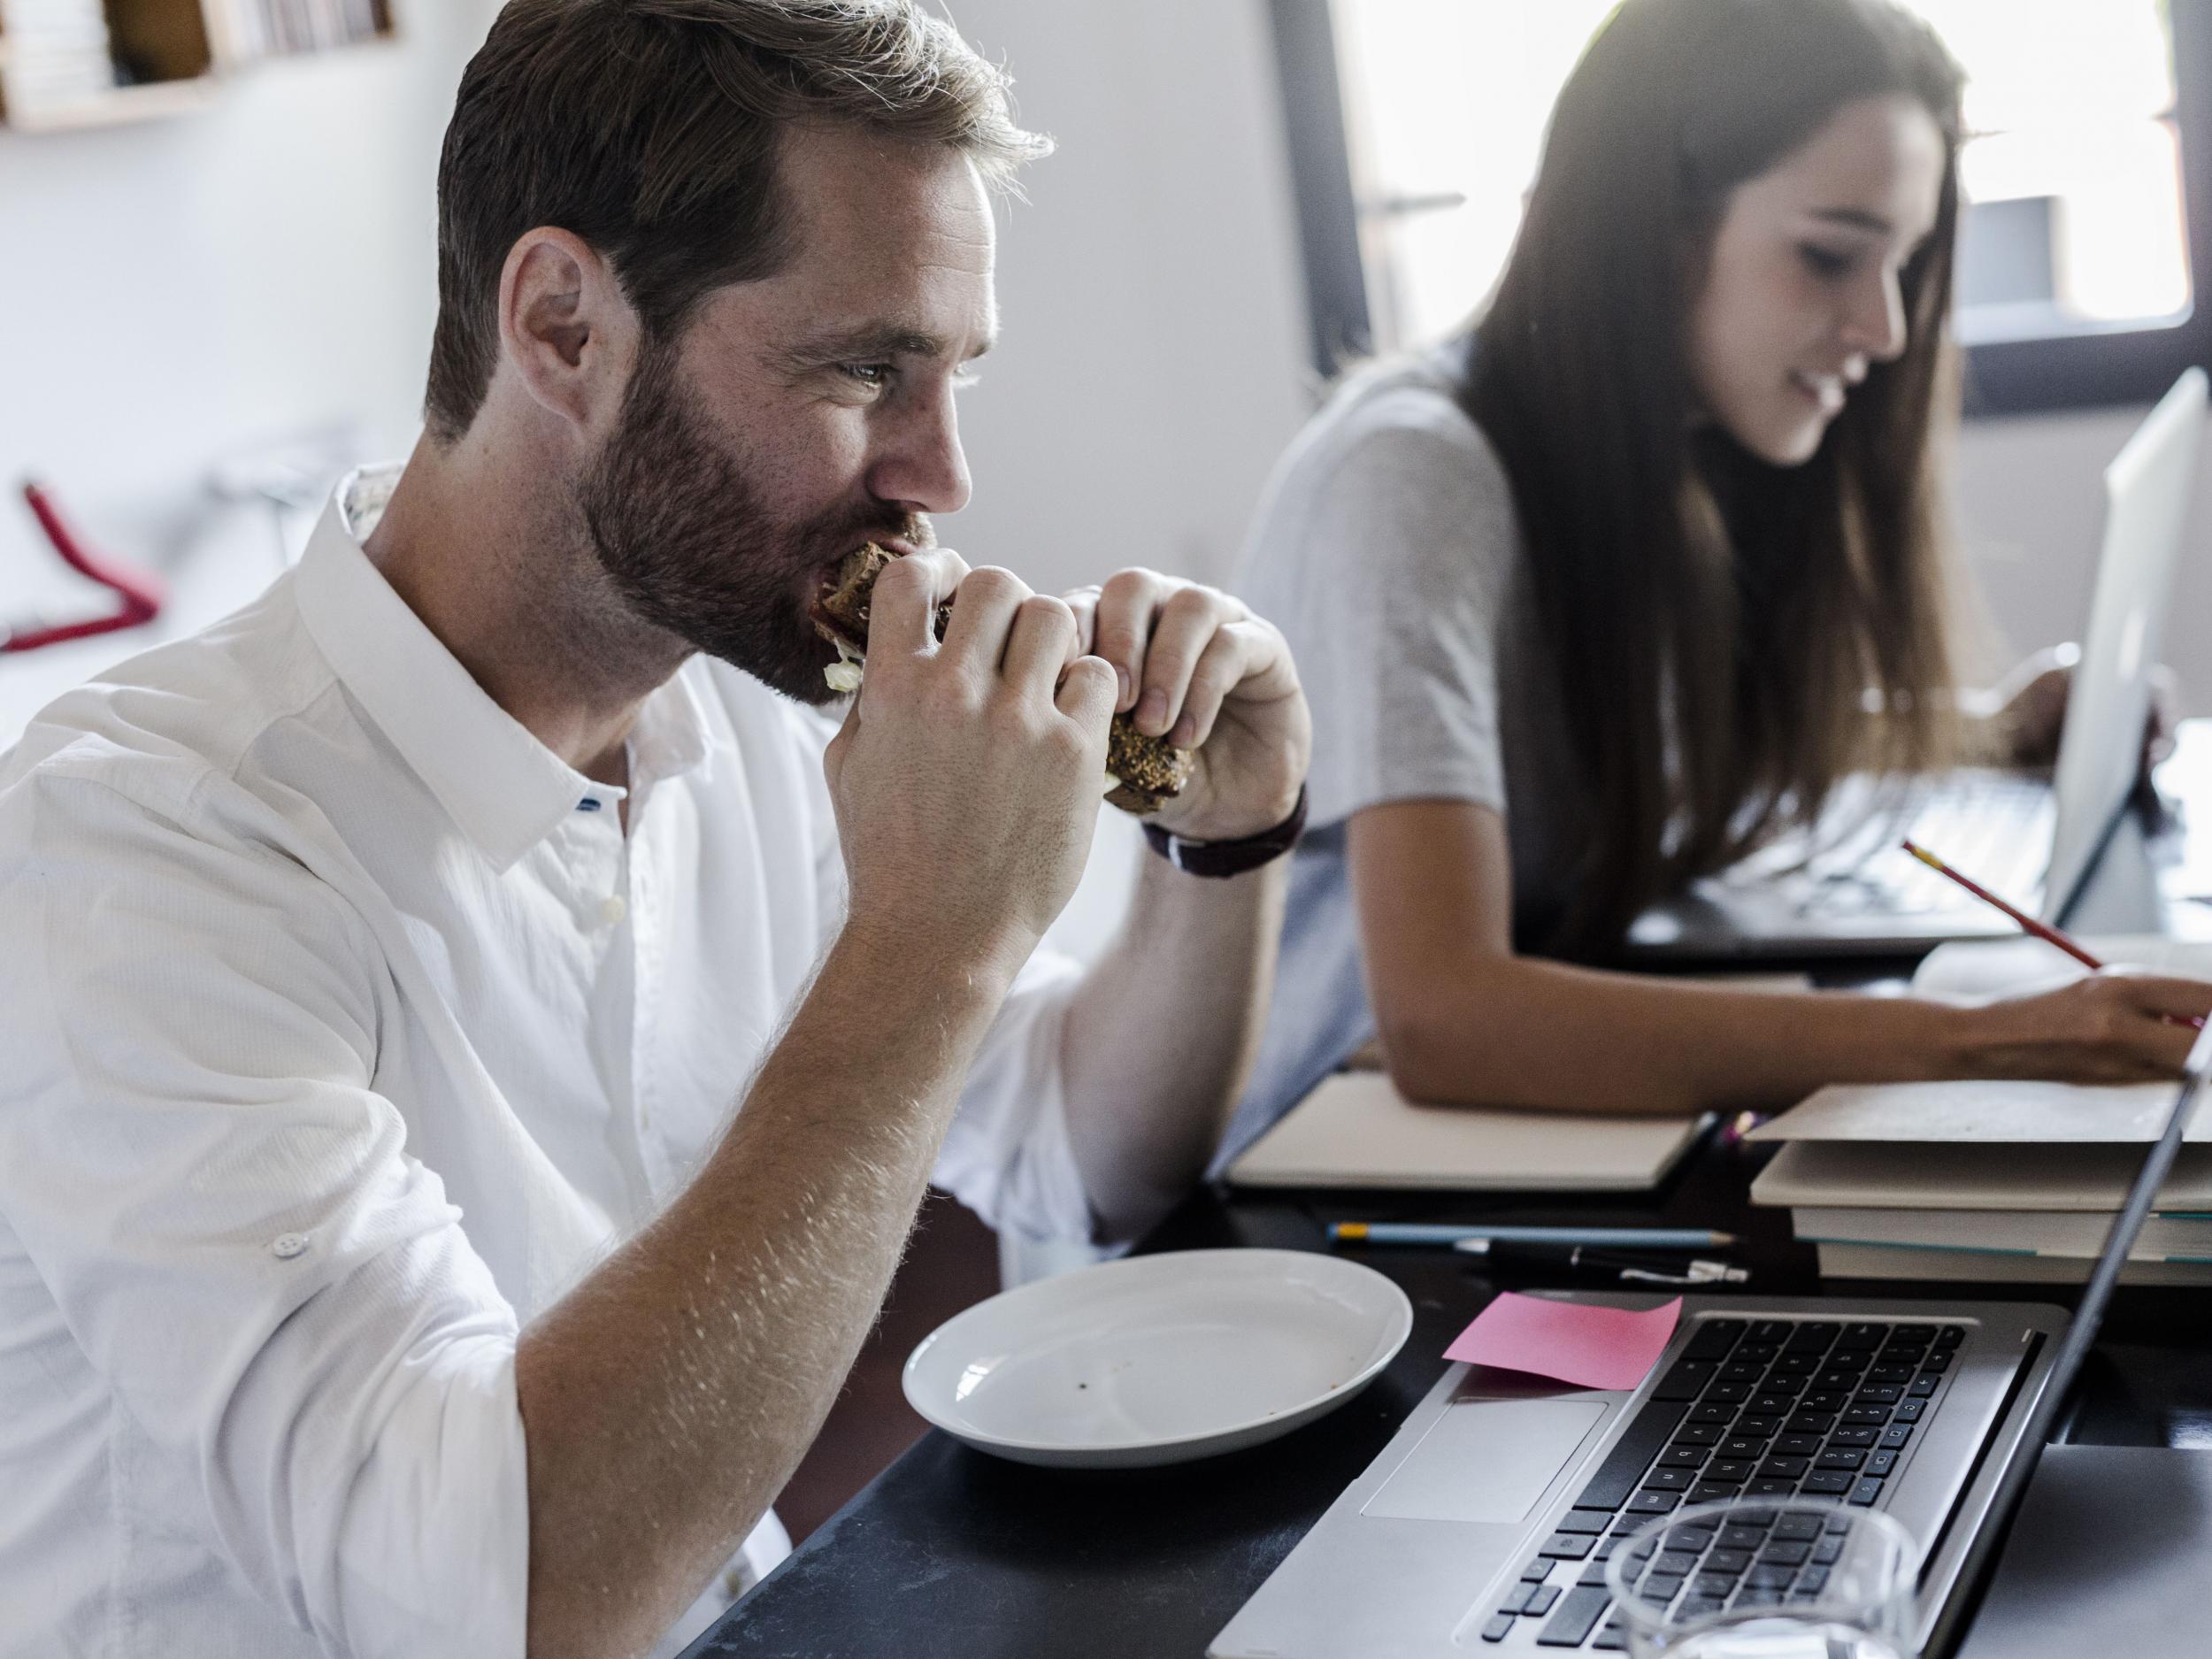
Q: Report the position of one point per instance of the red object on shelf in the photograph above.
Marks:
(142, 592)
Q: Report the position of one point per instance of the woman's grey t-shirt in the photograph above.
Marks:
(1387, 551)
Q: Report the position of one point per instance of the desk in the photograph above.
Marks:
(951, 1552)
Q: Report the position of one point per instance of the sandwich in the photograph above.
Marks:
(1143, 774)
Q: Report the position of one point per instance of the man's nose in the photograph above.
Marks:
(922, 467)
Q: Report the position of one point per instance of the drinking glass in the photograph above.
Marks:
(1766, 1579)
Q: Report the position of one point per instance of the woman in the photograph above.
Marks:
(1603, 597)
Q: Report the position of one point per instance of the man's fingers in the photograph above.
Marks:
(1127, 606)
(1221, 669)
(1084, 602)
(1039, 645)
(1188, 622)
(902, 606)
(984, 614)
(1087, 693)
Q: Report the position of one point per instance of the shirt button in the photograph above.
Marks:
(285, 1246)
(613, 910)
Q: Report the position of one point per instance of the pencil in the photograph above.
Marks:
(2043, 930)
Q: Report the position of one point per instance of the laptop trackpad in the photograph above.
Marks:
(1487, 1460)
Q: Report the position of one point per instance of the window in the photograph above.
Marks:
(1416, 124)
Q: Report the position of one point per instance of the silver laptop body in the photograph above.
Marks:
(1847, 889)
(1481, 1527)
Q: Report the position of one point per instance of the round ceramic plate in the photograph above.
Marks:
(1158, 1359)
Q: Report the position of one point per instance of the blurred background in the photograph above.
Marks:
(216, 278)
(217, 264)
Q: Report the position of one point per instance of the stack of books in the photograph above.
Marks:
(53, 51)
(1992, 1181)
(261, 28)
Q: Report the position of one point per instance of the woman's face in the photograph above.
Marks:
(1801, 288)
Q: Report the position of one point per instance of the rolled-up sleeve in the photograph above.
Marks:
(1007, 1157)
(279, 1297)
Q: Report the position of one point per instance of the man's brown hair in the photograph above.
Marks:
(650, 129)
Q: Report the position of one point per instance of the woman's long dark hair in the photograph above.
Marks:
(1720, 626)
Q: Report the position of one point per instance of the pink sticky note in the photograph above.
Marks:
(1596, 1348)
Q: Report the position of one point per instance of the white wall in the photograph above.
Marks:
(173, 293)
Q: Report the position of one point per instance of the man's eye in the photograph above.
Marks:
(873, 375)
(1825, 262)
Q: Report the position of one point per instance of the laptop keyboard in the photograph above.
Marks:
(1753, 1408)
(1995, 828)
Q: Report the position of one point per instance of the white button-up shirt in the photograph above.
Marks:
(341, 1029)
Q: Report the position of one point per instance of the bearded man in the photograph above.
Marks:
(472, 1044)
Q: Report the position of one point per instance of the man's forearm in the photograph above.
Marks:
(668, 1397)
(1161, 1033)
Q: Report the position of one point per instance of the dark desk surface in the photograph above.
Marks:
(951, 1552)
(954, 1553)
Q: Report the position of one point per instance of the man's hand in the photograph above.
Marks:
(1194, 666)
(966, 778)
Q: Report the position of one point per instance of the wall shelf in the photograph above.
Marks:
(176, 54)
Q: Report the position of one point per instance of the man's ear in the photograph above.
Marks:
(566, 327)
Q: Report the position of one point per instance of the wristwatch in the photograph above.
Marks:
(1229, 858)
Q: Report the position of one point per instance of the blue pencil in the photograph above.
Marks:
(1603, 1238)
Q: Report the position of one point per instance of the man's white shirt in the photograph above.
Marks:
(343, 1029)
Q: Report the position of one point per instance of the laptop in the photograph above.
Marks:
(1485, 1524)
(1845, 888)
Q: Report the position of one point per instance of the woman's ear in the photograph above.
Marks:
(566, 327)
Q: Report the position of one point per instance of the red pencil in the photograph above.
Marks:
(2043, 930)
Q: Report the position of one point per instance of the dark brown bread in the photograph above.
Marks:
(1149, 772)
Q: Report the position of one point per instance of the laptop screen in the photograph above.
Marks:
(2081, 1334)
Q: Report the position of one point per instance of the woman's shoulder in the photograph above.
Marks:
(1399, 421)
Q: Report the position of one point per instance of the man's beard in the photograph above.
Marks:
(690, 545)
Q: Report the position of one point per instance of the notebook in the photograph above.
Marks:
(1358, 1131)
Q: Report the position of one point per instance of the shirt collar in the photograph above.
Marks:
(505, 789)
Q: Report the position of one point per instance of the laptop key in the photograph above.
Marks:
(1612, 1638)
(1868, 1491)
(1747, 1446)
(1536, 1571)
(1826, 1483)
(1623, 1466)
(1498, 1628)
(1796, 1364)
(1822, 1400)
(1881, 1463)
(1811, 1337)
(1784, 1552)
(1727, 1562)
(1653, 1502)
(1758, 1353)
(1861, 1438)
(1685, 1380)
(1701, 1434)
(1811, 1423)
(1783, 1468)
(1541, 1600)
(1566, 1547)
(1864, 1335)
(1842, 1458)
(1736, 1469)
(1713, 1492)
(1771, 1578)
(1880, 1394)
(1577, 1616)
(1693, 1539)
(1682, 1456)
(1590, 1521)
(1771, 1331)
(1797, 1445)
(1922, 1387)
(1884, 1373)
(1769, 1407)
(1827, 1552)
(1516, 1600)
(1771, 1488)
(1715, 1340)
(1743, 1535)
(1909, 1412)
(1797, 1528)
(1729, 1394)
(1813, 1581)
(1869, 1417)
(1895, 1435)
(1713, 1416)
(1670, 1479)
(1737, 1371)
(1950, 1336)
(1749, 1427)
(1936, 1363)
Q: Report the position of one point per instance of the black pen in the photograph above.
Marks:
(1625, 1267)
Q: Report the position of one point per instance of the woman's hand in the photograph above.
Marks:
(2027, 710)
(2110, 1027)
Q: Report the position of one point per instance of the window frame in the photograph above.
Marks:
(2009, 377)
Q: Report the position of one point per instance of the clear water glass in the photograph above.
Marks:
(1766, 1579)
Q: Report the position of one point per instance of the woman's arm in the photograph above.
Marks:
(1464, 1019)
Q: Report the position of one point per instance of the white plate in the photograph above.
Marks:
(1158, 1359)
